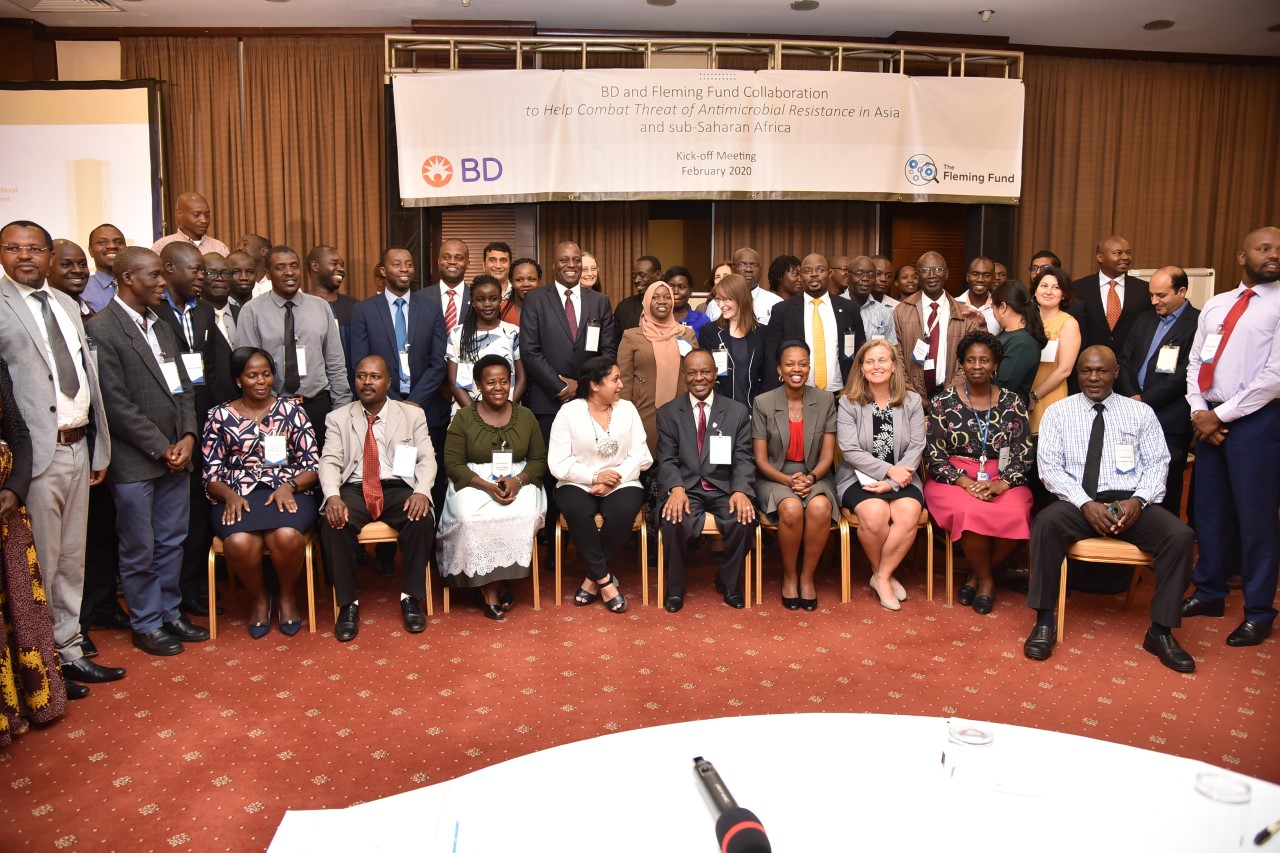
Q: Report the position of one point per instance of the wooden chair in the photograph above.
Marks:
(375, 533)
(709, 528)
(537, 592)
(1102, 549)
(215, 551)
(840, 525)
(641, 524)
(850, 520)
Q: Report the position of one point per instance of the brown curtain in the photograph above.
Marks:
(797, 228)
(1178, 158)
(616, 232)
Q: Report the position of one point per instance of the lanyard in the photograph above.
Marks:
(984, 428)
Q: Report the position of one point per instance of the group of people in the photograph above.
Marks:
(187, 391)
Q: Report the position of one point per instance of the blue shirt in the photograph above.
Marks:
(1162, 329)
(99, 290)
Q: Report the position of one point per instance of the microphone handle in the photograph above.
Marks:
(716, 790)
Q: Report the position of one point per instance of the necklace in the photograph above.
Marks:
(606, 445)
(258, 416)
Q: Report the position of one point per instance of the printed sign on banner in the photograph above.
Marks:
(634, 133)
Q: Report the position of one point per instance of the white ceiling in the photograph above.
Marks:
(1202, 26)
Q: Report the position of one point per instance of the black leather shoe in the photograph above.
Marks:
(673, 603)
(76, 691)
(1170, 653)
(157, 641)
(185, 631)
(493, 611)
(348, 624)
(415, 621)
(982, 604)
(118, 620)
(91, 673)
(1249, 633)
(807, 604)
(197, 607)
(735, 600)
(966, 594)
(791, 603)
(87, 648)
(1202, 607)
(384, 568)
(1041, 642)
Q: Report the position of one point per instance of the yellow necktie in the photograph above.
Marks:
(819, 349)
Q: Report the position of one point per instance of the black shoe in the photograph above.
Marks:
(1040, 644)
(791, 603)
(1170, 653)
(673, 603)
(807, 604)
(75, 691)
(185, 631)
(1203, 607)
(415, 621)
(966, 595)
(90, 673)
(117, 620)
(197, 607)
(87, 648)
(1249, 633)
(348, 624)
(506, 598)
(157, 641)
(735, 600)
(982, 604)
(385, 568)
(493, 611)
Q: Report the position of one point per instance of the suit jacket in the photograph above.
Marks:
(787, 322)
(546, 348)
(344, 444)
(217, 362)
(769, 419)
(855, 431)
(204, 327)
(373, 333)
(910, 328)
(712, 337)
(23, 347)
(1090, 309)
(145, 418)
(1164, 392)
(680, 463)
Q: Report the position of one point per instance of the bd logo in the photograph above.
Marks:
(921, 169)
(438, 171)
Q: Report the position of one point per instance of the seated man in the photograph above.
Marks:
(1104, 456)
(705, 464)
(377, 465)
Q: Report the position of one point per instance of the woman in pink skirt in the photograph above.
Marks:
(979, 453)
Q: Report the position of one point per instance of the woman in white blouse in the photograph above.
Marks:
(598, 449)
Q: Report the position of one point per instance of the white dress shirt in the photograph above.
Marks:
(72, 411)
(263, 286)
(457, 290)
(574, 294)
(385, 459)
(1247, 375)
(830, 338)
(710, 401)
(572, 454)
(988, 311)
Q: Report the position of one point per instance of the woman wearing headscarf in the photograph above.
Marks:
(649, 357)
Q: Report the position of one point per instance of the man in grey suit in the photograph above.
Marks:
(41, 336)
(705, 464)
(151, 410)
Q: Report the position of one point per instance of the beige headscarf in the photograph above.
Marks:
(666, 353)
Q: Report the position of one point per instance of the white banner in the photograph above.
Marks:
(468, 137)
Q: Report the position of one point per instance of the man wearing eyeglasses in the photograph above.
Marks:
(747, 263)
(877, 319)
(218, 276)
(930, 323)
(831, 327)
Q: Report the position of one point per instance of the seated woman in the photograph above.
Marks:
(495, 460)
(597, 450)
(482, 332)
(649, 357)
(526, 274)
(1021, 335)
(680, 280)
(979, 454)
(260, 464)
(793, 432)
(1052, 291)
(735, 340)
(881, 429)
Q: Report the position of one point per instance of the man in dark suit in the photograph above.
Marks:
(645, 271)
(833, 346)
(705, 464)
(451, 290)
(1153, 369)
(218, 277)
(152, 415)
(1108, 303)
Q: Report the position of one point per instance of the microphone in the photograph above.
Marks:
(737, 829)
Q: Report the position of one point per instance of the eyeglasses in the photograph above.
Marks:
(227, 274)
(1034, 268)
(931, 270)
(18, 250)
(745, 265)
(846, 269)
(813, 270)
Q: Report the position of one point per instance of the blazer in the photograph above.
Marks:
(713, 337)
(23, 347)
(680, 463)
(217, 363)
(910, 328)
(344, 444)
(855, 431)
(373, 333)
(546, 348)
(145, 418)
(638, 369)
(204, 327)
(769, 418)
(787, 322)
(1090, 310)
(1166, 393)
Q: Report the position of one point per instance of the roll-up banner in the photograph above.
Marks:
(475, 137)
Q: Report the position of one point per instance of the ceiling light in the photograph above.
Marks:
(804, 5)
(1157, 25)
(986, 14)
(661, 2)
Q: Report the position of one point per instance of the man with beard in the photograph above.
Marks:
(1107, 303)
(105, 242)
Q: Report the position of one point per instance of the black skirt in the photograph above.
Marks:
(262, 518)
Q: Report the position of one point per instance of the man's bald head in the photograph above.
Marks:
(932, 270)
(746, 263)
(193, 215)
(1260, 256)
(567, 263)
(1096, 371)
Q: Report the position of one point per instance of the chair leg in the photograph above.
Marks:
(311, 585)
(558, 546)
(660, 600)
(537, 591)
(213, 596)
(1133, 584)
(1062, 600)
(335, 605)
(951, 567)
(445, 596)
(759, 566)
(746, 577)
(644, 562)
(430, 610)
(845, 560)
(928, 560)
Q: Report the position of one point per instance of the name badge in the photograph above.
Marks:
(274, 450)
(169, 369)
(1050, 352)
(300, 356)
(502, 464)
(877, 337)
(929, 364)
(722, 362)
(1167, 359)
(1005, 458)
(194, 364)
(405, 461)
(1210, 349)
(721, 450)
(921, 351)
(683, 347)
(1125, 461)
(851, 344)
(593, 337)
(466, 376)
(404, 364)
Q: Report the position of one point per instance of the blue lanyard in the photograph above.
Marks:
(984, 429)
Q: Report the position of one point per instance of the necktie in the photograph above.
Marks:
(68, 383)
(570, 315)
(187, 331)
(1093, 458)
(402, 326)
(1113, 306)
(1228, 326)
(451, 312)
(371, 472)
(819, 349)
(291, 379)
(225, 320)
(931, 376)
(702, 436)
(1161, 327)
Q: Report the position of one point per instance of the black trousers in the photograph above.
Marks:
(317, 409)
(101, 558)
(1157, 531)
(417, 539)
(1177, 473)
(676, 538)
(597, 548)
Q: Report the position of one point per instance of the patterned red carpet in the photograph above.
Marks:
(206, 750)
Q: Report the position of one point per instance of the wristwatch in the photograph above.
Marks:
(1143, 503)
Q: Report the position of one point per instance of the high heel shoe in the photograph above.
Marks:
(617, 604)
(290, 628)
(493, 611)
(258, 630)
(507, 598)
(582, 598)
(791, 603)
(888, 603)
(809, 604)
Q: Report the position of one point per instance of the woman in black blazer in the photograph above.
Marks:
(735, 341)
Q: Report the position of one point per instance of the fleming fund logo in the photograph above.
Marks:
(921, 170)
(437, 171)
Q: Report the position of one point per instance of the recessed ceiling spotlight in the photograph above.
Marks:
(661, 2)
(986, 14)
(1157, 25)
(804, 5)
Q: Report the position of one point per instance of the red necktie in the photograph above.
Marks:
(371, 472)
(1233, 316)
(451, 313)
(931, 374)
(702, 436)
(570, 315)
(1113, 306)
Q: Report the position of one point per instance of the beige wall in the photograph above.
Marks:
(88, 60)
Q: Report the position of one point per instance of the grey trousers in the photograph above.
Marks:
(58, 504)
